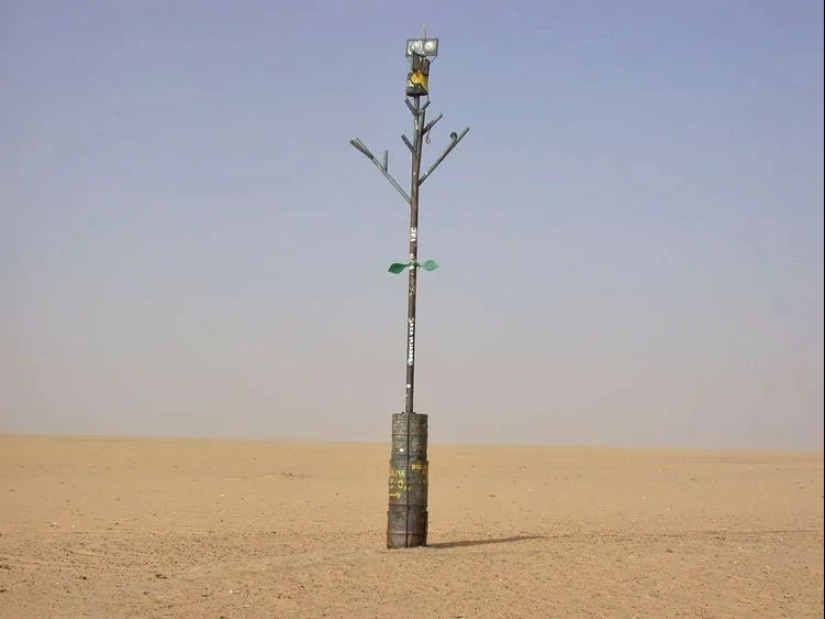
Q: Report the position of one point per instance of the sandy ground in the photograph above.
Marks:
(114, 528)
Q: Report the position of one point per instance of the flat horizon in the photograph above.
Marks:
(432, 444)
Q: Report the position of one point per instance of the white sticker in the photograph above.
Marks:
(411, 342)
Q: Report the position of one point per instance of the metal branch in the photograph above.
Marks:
(447, 151)
(417, 110)
(431, 124)
(359, 146)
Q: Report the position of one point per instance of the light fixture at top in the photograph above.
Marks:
(422, 47)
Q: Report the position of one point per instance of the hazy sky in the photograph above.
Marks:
(630, 237)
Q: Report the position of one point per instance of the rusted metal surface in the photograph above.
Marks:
(407, 515)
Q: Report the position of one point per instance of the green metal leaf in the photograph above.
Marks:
(429, 265)
(397, 267)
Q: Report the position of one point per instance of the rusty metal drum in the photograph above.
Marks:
(408, 482)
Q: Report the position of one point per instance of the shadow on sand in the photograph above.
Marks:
(484, 542)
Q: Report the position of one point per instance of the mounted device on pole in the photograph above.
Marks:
(408, 483)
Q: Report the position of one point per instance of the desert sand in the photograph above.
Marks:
(110, 528)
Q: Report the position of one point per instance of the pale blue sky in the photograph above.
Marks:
(630, 238)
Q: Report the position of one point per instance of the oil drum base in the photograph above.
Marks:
(408, 482)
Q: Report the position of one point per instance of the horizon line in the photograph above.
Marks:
(317, 442)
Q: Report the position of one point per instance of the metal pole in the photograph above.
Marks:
(418, 144)
(408, 481)
(409, 401)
